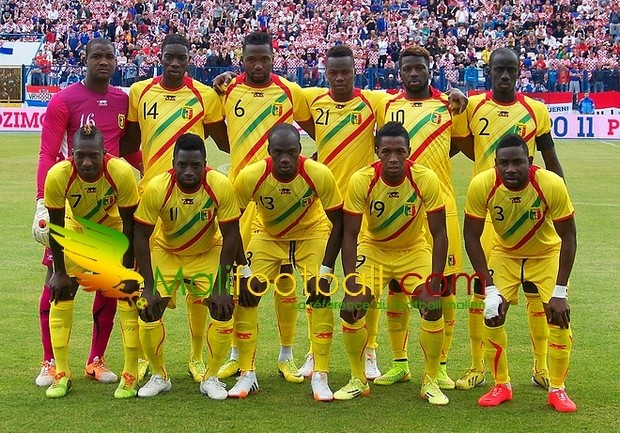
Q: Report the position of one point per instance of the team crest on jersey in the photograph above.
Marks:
(206, 214)
(356, 118)
(108, 200)
(285, 191)
(503, 113)
(393, 194)
(187, 201)
(187, 113)
(535, 214)
(276, 110)
(306, 202)
(410, 210)
(451, 260)
(521, 129)
(121, 121)
(436, 118)
(91, 189)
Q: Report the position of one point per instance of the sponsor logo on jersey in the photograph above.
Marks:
(451, 260)
(393, 194)
(503, 113)
(286, 191)
(416, 104)
(515, 200)
(340, 106)
(102, 102)
(170, 98)
(91, 189)
(187, 200)
(410, 210)
(258, 94)
(187, 113)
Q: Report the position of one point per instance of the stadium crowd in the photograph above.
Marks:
(564, 45)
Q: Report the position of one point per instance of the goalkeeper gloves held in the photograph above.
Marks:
(492, 301)
(40, 224)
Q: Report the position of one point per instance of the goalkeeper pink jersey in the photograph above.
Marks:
(68, 111)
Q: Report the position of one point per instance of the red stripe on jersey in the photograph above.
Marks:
(487, 97)
(190, 85)
(294, 223)
(531, 233)
(208, 189)
(173, 180)
(72, 177)
(349, 139)
(193, 240)
(399, 231)
(107, 174)
(534, 182)
(276, 79)
(248, 157)
(301, 169)
(387, 106)
(375, 178)
(234, 83)
(429, 140)
(266, 173)
(321, 96)
(498, 182)
(105, 217)
(529, 109)
(152, 84)
(162, 150)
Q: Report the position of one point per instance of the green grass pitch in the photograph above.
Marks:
(593, 179)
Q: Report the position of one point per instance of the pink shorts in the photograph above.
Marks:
(48, 259)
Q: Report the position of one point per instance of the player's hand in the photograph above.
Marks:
(249, 296)
(40, 224)
(492, 305)
(153, 310)
(352, 305)
(558, 312)
(457, 101)
(220, 306)
(221, 82)
(318, 295)
(61, 286)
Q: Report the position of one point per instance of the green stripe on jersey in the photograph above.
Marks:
(98, 206)
(344, 122)
(491, 150)
(416, 128)
(257, 121)
(292, 209)
(188, 225)
(517, 225)
(173, 116)
(396, 214)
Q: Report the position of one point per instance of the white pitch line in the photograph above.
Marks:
(598, 204)
(610, 143)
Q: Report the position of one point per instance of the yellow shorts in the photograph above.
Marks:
(509, 273)
(454, 261)
(266, 256)
(194, 274)
(377, 267)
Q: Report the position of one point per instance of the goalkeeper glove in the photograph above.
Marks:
(492, 301)
(40, 229)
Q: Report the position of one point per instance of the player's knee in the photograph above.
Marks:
(448, 286)
(219, 315)
(395, 286)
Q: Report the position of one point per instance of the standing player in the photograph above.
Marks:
(534, 243)
(179, 214)
(91, 101)
(101, 189)
(160, 111)
(490, 116)
(296, 199)
(425, 113)
(254, 102)
(394, 194)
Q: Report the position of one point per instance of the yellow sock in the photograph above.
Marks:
(475, 320)
(246, 332)
(61, 320)
(496, 342)
(152, 336)
(233, 342)
(355, 338)
(322, 332)
(431, 341)
(130, 332)
(219, 336)
(197, 315)
(539, 331)
(448, 308)
(398, 323)
(286, 311)
(560, 345)
(309, 320)
(372, 323)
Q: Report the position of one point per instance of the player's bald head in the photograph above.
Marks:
(284, 133)
(503, 52)
(98, 41)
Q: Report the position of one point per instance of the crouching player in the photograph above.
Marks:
(394, 194)
(102, 190)
(292, 225)
(190, 201)
(534, 244)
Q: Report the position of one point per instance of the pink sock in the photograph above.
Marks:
(103, 322)
(44, 319)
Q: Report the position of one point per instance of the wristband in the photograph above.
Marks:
(559, 291)
(325, 272)
(245, 271)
